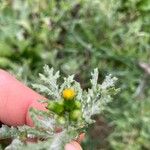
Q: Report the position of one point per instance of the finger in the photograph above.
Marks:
(15, 100)
(73, 146)
(80, 137)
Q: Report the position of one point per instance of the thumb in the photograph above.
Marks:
(73, 146)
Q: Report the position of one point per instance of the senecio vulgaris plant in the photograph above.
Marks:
(69, 108)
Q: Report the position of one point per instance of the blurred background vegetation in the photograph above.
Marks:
(76, 36)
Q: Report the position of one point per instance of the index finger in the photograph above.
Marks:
(15, 101)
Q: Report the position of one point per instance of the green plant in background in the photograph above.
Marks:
(77, 36)
(133, 129)
(62, 33)
(69, 108)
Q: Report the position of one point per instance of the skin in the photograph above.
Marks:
(15, 101)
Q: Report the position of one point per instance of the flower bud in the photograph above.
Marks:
(56, 107)
(51, 105)
(75, 115)
(59, 107)
(61, 120)
(68, 94)
(77, 104)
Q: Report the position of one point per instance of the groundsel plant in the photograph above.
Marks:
(69, 112)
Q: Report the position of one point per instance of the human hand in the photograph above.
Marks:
(15, 101)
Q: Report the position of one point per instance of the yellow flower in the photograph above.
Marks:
(68, 94)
